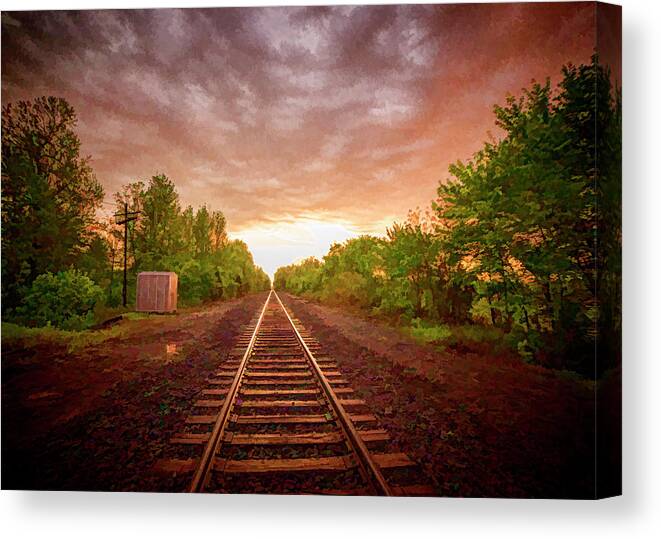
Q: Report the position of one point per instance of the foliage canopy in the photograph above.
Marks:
(524, 237)
(58, 257)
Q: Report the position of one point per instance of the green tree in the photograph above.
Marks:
(202, 228)
(352, 271)
(187, 221)
(49, 193)
(591, 110)
(411, 256)
(157, 233)
(524, 215)
(218, 230)
(525, 236)
(191, 243)
(65, 300)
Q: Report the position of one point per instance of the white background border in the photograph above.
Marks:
(636, 514)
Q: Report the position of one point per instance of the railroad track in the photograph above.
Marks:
(279, 417)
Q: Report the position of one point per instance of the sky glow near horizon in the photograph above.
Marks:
(292, 241)
(305, 126)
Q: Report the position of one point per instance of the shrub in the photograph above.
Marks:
(429, 333)
(65, 300)
(481, 339)
(346, 288)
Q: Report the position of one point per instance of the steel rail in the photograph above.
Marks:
(202, 472)
(370, 469)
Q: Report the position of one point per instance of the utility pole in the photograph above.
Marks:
(127, 217)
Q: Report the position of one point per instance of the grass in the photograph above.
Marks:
(430, 334)
(19, 336)
(135, 316)
(471, 336)
(14, 335)
(577, 378)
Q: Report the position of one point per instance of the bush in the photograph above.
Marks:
(468, 337)
(481, 339)
(346, 288)
(65, 300)
(431, 334)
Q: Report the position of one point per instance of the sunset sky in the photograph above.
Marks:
(304, 125)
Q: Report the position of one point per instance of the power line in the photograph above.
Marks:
(113, 203)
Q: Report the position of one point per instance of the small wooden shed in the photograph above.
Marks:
(156, 292)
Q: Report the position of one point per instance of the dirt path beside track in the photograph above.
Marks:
(98, 419)
(479, 425)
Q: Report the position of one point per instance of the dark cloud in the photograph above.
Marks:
(270, 113)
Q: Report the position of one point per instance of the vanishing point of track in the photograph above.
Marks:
(279, 417)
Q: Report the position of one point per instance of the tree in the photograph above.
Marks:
(218, 232)
(65, 300)
(524, 211)
(202, 232)
(191, 243)
(49, 193)
(187, 221)
(410, 258)
(158, 234)
(525, 236)
(591, 110)
(352, 271)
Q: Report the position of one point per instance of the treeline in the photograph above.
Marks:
(61, 264)
(525, 238)
(192, 243)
